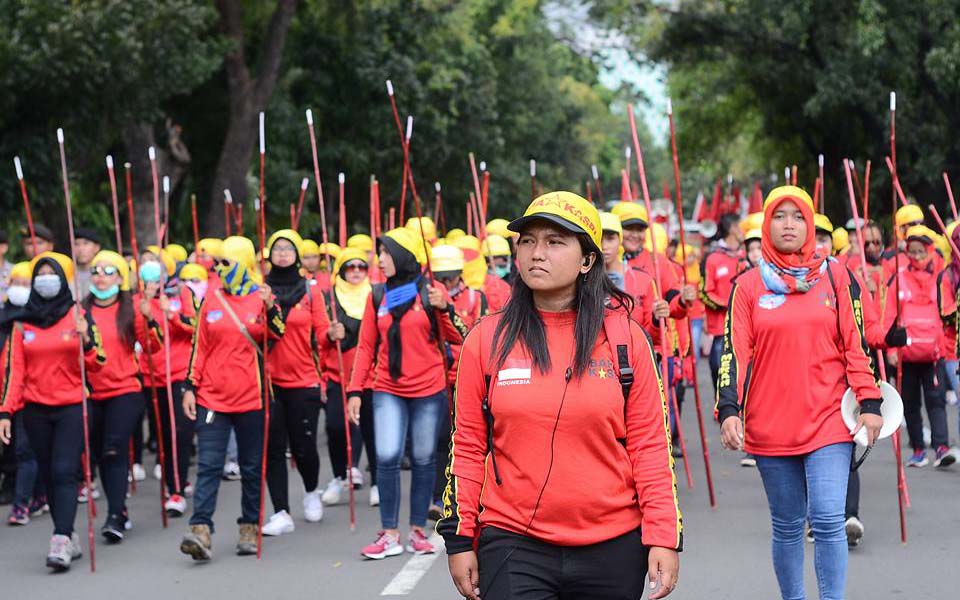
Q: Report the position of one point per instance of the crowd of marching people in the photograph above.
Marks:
(469, 359)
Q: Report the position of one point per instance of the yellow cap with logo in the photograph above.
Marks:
(631, 213)
(611, 222)
(566, 209)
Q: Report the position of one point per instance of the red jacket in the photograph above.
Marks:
(625, 449)
(181, 324)
(225, 369)
(720, 266)
(470, 306)
(785, 366)
(121, 373)
(669, 284)
(42, 366)
(423, 368)
(294, 359)
(497, 292)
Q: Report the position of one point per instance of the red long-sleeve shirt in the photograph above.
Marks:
(720, 267)
(181, 325)
(225, 368)
(497, 292)
(470, 306)
(669, 284)
(423, 368)
(632, 483)
(786, 362)
(294, 361)
(639, 285)
(121, 373)
(41, 365)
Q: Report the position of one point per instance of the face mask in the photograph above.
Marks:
(199, 288)
(150, 272)
(502, 271)
(17, 295)
(48, 286)
(106, 294)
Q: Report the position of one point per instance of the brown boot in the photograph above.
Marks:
(197, 543)
(247, 544)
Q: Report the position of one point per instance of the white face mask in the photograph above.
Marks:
(48, 286)
(17, 295)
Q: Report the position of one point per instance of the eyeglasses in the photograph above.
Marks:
(356, 266)
(105, 270)
(284, 249)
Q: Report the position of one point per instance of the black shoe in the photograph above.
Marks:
(114, 528)
(677, 450)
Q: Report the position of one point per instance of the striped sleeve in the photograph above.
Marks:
(12, 365)
(197, 349)
(859, 362)
(733, 377)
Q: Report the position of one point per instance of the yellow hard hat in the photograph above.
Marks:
(751, 222)
(841, 240)
(566, 209)
(951, 227)
(753, 234)
(446, 258)
(921, 233)
(362, 241)
(348, 254)
(21, 270)
(631, 213)
(611, 222)
(911, 213)
(114, 259)
(329, 248)
(495, 245)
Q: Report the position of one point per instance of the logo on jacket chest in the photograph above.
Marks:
(29, 336)
(771, 301)
(214, 315)
(514, 372)
(601, 368)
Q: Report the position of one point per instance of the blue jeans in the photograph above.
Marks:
(391, 415)
(696, 327)
(212, 441)
(810, 486)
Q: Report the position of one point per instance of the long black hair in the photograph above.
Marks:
(125, 326)
(726, 224)
(521, 320)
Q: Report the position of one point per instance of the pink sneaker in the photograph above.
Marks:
(386, 545)
(419, 544)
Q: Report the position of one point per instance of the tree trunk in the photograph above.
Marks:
(248, 96)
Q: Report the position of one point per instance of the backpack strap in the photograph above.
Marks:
(616, 326)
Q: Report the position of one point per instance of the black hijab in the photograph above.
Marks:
(407, 271)
(39, 311)
(286, 282)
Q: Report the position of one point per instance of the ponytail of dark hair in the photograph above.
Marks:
(125, 316)
(521, 320)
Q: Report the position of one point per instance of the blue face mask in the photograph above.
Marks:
(106, 294)
(502, 271)
(150, 272)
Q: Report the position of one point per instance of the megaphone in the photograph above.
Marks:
(891, 409)
(708, 228)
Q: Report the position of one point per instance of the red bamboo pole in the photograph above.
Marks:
(260, 224)
(485, 188)
(470, 216)
(657, 293)
(404, 142)
(343, 213)
(866, 192)
(128, 180)
(953, 203)
(816, 192)
(693, 351)
(857, 186)
(793, 175)
(596, 182)
(113, 197)
(26, 204)
(194, 222)
(83, 367)
(533, 179)
(823, 200)
(333, 312)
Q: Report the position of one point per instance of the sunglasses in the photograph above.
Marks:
(872, 243)
(357, 266)
(222, 262)
(107, 270)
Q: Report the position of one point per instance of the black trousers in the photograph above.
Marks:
(185, 432)
(56, 435)
(360, 437)
(514, 567)
(112, 422)
(293, 418)
(922, 380)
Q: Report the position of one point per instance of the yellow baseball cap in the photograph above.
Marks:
(611, 222)
(631, 213)
(911, 213)
(445, 258)
(822, 223)
(921, 233)
(751, 222)
(788, 191)
(114, 259)
(566, 209)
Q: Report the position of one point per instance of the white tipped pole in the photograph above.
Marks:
(263, 139)
(152, 153)
(166, 184)
(593, 169)
(340, 177)
(60, 135)
(127, 165)
(533, 168)
(109, 162)
(730, 179)
(628, 152)
(483, 165)
(16, 164)
(669, 107)
(786, 175)
(409, 127)
(389, 88)
(893, 101)
(256, 204)
(309, 117)
(436, 186)
(820, 160)
(227, 197)
(304, 183)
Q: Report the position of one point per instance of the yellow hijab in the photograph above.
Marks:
(351, 297)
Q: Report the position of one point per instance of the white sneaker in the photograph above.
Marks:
(951, 398)
(64, 550)
(175, 505)
(356, 476)
(854, 529)
(188, 490)
(335, 489)
(138, 473)
(279, 524)
(231, 471)
(313, 507)
(82, 492)
(374, 496)
(158, 472)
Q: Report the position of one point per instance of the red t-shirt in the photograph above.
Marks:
(180, 325)
(720, 267)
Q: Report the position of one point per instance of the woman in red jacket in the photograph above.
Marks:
(41, 351)
(294, 368)
(544, 395)
(225, 391)
(116, 391)
(352, 289)
(793, 339)
(399, 350)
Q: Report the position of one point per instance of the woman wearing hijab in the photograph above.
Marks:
(116, 390)
(400, 349)
(794, 333)
(225, 392)
(544, 396)
(294, 368)
(352, 288)
(42, 377)
(163, 298)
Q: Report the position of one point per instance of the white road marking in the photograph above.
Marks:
(411, 573)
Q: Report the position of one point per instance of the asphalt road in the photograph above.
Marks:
(726, 554)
